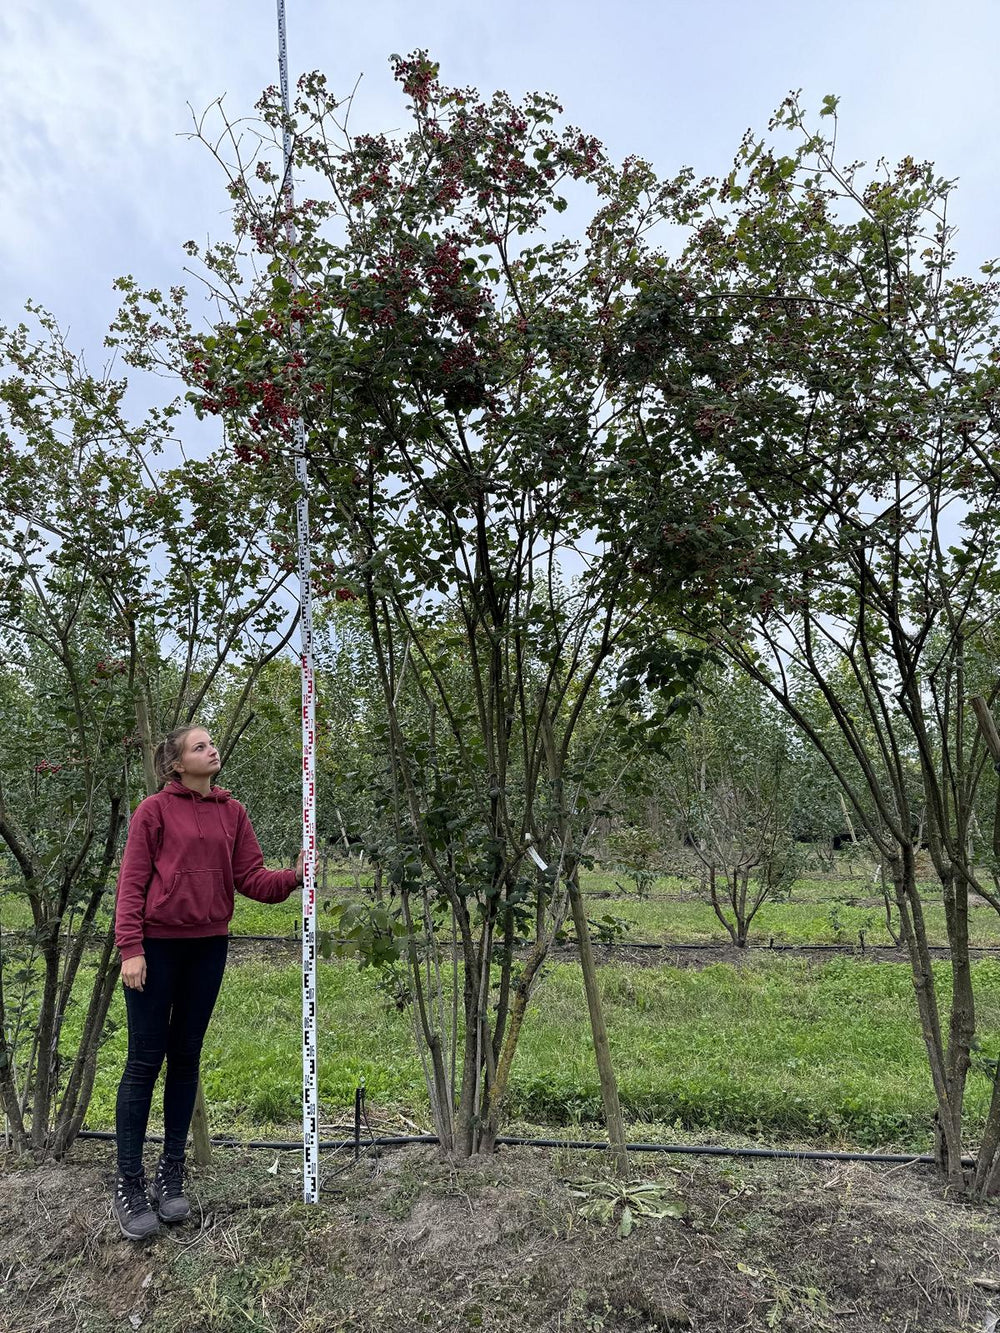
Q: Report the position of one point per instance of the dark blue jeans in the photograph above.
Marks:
(167, 1018)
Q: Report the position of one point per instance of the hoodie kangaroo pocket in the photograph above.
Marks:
(196, 898)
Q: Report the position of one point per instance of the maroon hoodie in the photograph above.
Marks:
(185, 856)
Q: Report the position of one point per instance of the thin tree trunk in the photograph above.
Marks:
(741, 885)
(599, 1032)
(949, 1143)
(145, 739)
(987, 1163)
(80, 1084)
(79, 943)
(506, 967)
(962, 1022)
(200, 1133)
(847, 818)
(8, 1083)
(45, 1062)
(505, 1058)
(602, 1049)
(987, 1174)
(485, 1066)
(438, 1086)
(714, 896)
(894, 934)
(465, 1113)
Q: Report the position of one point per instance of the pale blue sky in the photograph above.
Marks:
(95, 180)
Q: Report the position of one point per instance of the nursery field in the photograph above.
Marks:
(777, 1048)
(831, 910)
(760, 1047)
(815, 911)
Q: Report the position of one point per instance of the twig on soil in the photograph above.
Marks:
(230, 1241)
(41, 1203)
(927, 1296)
(728, 1199)
(900, 1166)
(199, 1234)
(966, 1261)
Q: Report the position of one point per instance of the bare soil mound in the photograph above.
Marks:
(409, 1242)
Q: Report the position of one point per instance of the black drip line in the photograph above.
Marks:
(369, 1142)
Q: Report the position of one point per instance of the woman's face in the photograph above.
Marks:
(199, 758)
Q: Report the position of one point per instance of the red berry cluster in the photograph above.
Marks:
(460, 357)
(711, 422)
(252, 454)
(106, 669)
(418, 76)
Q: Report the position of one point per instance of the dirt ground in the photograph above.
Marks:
(408, 1242)
(698, 956)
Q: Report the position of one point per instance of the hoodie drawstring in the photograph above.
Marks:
(216, 797)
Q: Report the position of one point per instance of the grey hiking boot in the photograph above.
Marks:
(131, 1207)
(168, 1190)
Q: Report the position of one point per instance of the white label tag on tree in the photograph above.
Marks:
(532, 852)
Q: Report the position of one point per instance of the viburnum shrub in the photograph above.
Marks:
(134, 596)
(844, 391)
(523, 440)
(443, 309)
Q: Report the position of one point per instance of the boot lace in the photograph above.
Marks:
(132, 1192)
(170, 1178)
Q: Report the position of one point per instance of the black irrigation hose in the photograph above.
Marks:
(330, 1145)
(517, 1141)
(771, 947)
(714, 1150)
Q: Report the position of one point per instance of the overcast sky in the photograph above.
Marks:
(97, 180)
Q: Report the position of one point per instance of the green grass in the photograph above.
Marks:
(780, 1048)
(252, 1061)
(249, 917)
(658, 920)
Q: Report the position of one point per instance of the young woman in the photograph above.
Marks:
(190, 847)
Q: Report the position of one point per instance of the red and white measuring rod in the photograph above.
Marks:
(310, 1089)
